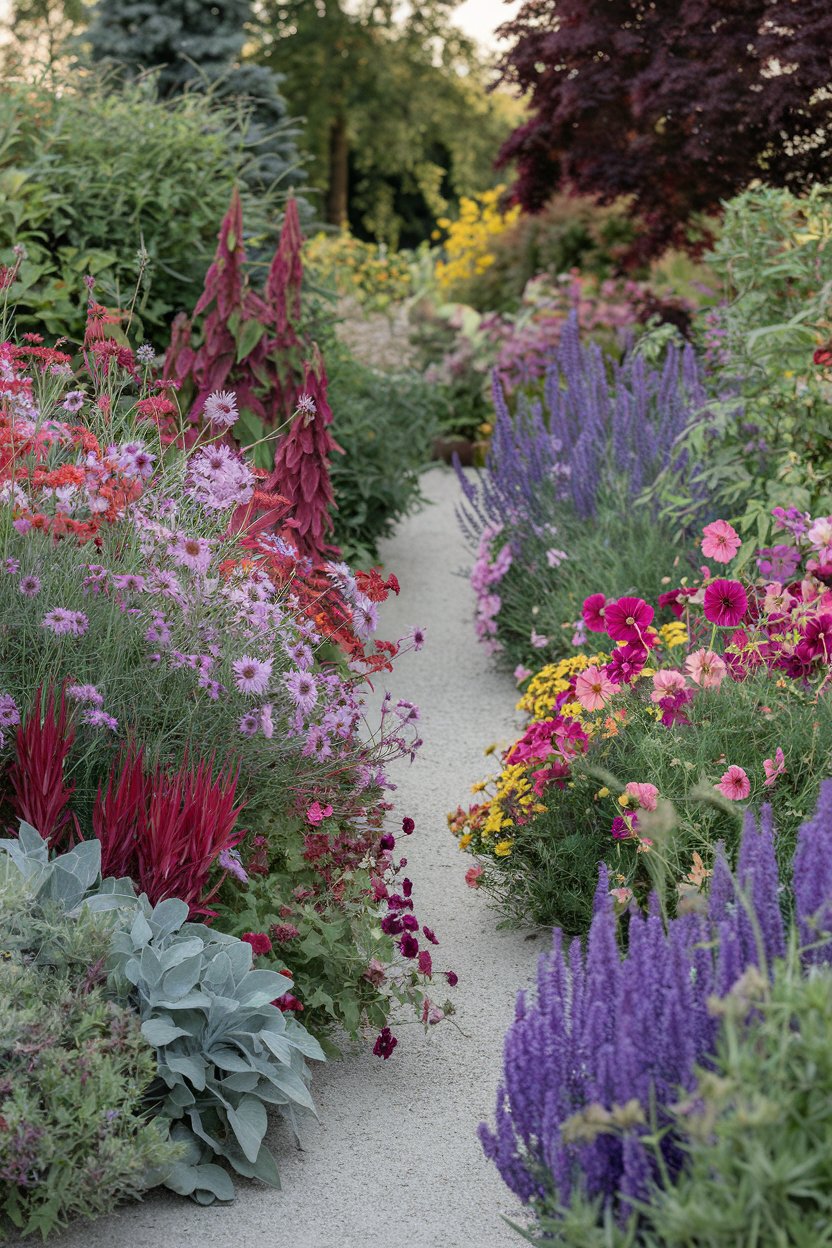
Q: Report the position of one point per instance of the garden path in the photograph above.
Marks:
(395, 1158)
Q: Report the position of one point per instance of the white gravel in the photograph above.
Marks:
(394, 1159)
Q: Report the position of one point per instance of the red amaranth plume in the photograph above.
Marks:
(39, 793)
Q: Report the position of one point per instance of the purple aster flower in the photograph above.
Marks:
(85, 693)
(317, 744)
(130, 581)
(96, 718)
(266, 721)
(11, 566)
(417, 637)
(145, 354)
(229, 860)
(300, 654)
(364, 617)
(221, 409)
(9, 714)
(73, 401)
(219, 479)
(65, 623)
(249, 724)
(191, 552)
(302, 690)
(306, 404)
(29, 586)
(252, 675)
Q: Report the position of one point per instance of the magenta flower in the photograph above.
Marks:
(626, 663)
(624, 826)
(774, 767)
(725, 603)
(720, 541)
(628, 619)
(593, 612)
(816, 638)
(734, 784)
(64, 623)
(317, 813)
(252, 675)
(221, 409)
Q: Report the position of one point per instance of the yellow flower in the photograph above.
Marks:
(490, 749)
(465, 841)
(479, 787)
(604, 792)
(503, 848)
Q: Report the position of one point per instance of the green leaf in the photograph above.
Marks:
(158, 1032)
(248, 1122)
(249, 335)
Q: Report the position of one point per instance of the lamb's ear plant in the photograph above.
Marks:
(223, 1050)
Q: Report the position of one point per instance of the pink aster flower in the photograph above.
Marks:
(252, 675)
(96, 718)
(593, 612)
(64, 623)
(666, 682)
(645, 794)
(725, 603)
(734, 784)
(706, 668)
(9, 714)
(191, 552)
(593, 688)
(774, 767)
(302, 690)
(266, 721)
(628, 619)
(720, 541)
(221, 409)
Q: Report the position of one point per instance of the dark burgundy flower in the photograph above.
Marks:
(674, 600)
(452, 978)
(259, 941)
(385, 1043)
(407, 825)
(823, 357)
(407, 887)
(628, 619)
(816, 639)
(388, 841)
(430, 935)
(593, 613)
(391, 925)
(410, 923)
(409, 946)
(425, 963)
(725, 603)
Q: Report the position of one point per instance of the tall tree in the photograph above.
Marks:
(677, 104)
(395, 111)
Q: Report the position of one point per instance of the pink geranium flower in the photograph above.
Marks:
(720, 541)
(734, 784)
(774, 767)
(666, 682)
(725, 603)
(317, 813)
(593, 688)
(628, 619)
(706, 668)
(645, 794)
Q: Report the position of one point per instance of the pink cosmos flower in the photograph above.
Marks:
(666, 682)
(317, 813)
(555, 557)
(593, 688)
(538, 640)
(706, 668)
(522, 673)
(734, 784)
(593, 612)
(472, 877)
(628, 619)
(252, 675)
(720, 541)
(774, 767)
(725, 603)
(221, 409)
(645, 794)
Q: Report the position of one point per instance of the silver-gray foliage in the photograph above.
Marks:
(224, 1052)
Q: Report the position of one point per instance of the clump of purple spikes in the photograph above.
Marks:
(606, 424)
(606, 1030)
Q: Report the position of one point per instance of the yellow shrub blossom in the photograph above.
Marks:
(467, 247)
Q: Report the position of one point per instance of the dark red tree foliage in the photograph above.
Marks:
(678, 104)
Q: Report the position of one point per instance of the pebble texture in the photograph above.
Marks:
(395, 1158)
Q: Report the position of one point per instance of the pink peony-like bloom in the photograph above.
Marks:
(628, 619)
(706, 668)
(774, 767)
(317, 813)
(665, 682)
(734, 784)
(593, 612)
(725, 603)
(260, 943)
(252, 675)
(593, 688)
(221, 409)
(645, 794)
(720, 541)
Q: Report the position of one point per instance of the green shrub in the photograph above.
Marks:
(386, 425)
(75, 1135)
(90, 176)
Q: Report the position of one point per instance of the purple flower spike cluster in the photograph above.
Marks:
(608, 1030)
(605, 422)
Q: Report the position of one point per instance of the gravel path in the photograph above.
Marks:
(395, 1158)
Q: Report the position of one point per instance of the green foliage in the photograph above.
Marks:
(767, 439)
(91, 176)
(223, 1050)
(386, 425)
(757, 1128)
(75, 1135)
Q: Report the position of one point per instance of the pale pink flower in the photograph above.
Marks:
(645, 794)
(622, 895)
(666, 682)
(774, 767)
(706, 668)
(734, 784)
(720, 541)
(221, 409)
(538, 640)
(522, 673)
(820, 534)
(252, 675)
(555, 557)
(593, 688)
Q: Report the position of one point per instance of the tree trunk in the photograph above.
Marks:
(336, 199)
